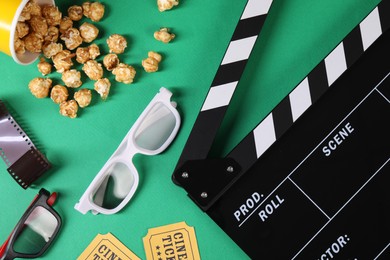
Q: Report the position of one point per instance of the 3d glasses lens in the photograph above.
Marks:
(36, 233)
(156, 128)
(115, 187)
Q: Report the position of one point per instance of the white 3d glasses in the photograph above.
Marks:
(117, 181)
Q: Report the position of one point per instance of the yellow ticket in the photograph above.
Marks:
(105, 247)
(171, 242)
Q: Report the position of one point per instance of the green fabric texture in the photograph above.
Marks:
(296, 36)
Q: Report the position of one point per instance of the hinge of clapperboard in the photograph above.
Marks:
(207, 179)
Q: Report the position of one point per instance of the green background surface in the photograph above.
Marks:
(296, 36)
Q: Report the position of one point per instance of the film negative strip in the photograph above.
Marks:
(240, 194)
(24, 161)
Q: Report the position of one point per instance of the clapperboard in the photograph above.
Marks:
(279, 197)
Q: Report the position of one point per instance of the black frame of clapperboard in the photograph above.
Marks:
(207, 179)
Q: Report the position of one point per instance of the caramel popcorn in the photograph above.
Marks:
(59, 94)
(150, 64)
(25, 15)
(93, 69)
(75, 12)
(38, 25)
(83, 97)
(88, 32)
(164, 5)
(63, 60)
(93, 11)
(86, 8)
(19, 46)
(72, 38)
(110, 61)
(39, 29)
(51, 14)
(50, 49)
(22, 29)
(94, 51)
(116, 43)
(34, 8)
(82, 55)
(40, 87)
(44, 67)
(52, 34)
(65, 24)
(164, 35)
(155, 55)
(31, 8)
(33, 42)
(102, 86)
(124, 73)
(72, 78)
(69, 108)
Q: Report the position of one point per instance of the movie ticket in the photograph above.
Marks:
(174, 241)
(104, 247)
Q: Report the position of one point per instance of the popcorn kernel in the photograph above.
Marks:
(110, 61)
(69, 108)
(83, 97)
(75, 12)
(164, 5)
(88, 32)
(59, 94)
(116, 43)
(44, 67)
(124, 73)
(164, 35)
(72, 78)
(102, 86)
(40, 87)
(93, 69)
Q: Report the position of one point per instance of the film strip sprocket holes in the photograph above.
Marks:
(24, 161)
(282, 117)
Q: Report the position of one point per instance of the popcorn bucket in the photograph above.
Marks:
(10, 11)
